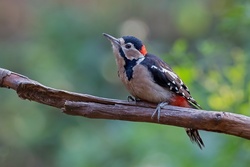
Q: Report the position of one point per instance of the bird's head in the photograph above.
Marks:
(127, 47)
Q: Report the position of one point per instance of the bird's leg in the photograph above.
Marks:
(158, 110)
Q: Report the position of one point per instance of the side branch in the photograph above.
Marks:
(103, 108)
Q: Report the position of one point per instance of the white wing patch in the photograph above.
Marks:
(166, 71)
(175, 80)
(172, 74)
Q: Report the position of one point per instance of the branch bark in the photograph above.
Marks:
(102, 108)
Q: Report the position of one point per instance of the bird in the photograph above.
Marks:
(149, 78)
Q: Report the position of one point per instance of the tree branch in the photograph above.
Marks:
(103, 108)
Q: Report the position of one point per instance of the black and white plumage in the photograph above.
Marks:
(149, 78)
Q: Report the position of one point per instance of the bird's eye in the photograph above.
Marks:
(128, 46)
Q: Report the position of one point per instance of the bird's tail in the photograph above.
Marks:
(195, 137)
(193, 133)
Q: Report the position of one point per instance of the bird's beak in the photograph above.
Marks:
(115, 42)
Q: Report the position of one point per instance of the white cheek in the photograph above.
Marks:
(133, 54)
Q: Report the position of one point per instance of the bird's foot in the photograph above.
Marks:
(158, 110)
(131, 98)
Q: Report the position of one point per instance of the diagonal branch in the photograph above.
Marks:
(103, 108)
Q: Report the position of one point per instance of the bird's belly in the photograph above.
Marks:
(143, 87)
(149, 91)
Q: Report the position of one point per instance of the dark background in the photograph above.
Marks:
(60, 44)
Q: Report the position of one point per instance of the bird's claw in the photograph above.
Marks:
(130, 98)
(158, 110)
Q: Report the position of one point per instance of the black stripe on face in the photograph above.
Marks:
(129, 64)
(122, 54)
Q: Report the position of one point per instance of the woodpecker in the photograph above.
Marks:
(150, 79)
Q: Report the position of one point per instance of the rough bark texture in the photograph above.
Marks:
(103, 108)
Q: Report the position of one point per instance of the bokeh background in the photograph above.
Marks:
(60, 44)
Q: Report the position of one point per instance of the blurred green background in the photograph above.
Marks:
(60, 44)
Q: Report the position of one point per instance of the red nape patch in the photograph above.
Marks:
(143, 50)
(180, 101)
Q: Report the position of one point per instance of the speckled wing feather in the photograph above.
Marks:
(164, 76)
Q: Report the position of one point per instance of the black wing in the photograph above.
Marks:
(165, 77)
